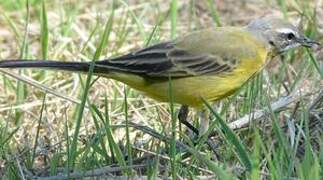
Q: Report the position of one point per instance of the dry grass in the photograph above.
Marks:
(74, 34)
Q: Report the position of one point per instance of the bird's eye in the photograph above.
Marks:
(290, 36)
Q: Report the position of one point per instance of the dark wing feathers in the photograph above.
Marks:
(151, 59)
(165, 59)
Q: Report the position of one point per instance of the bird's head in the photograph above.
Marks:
(279, 34)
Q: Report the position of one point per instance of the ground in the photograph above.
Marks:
(59, 125)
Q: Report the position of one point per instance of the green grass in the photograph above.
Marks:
(42, 135)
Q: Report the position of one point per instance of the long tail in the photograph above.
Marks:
(57, 65)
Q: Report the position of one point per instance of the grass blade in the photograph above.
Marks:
(21, 88)
(314, 62)
(97, 55)
(174, 123)
(44, 31)
(128, 144)
(232, 139)
(113, 145)
(106, 34)
(79, 117)
(214, 13)
(135, 19)
(173, 18)
(38, 130)
(218, 170)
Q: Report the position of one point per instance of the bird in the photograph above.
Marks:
(208, 64)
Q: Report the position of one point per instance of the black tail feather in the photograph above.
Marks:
(49, 64)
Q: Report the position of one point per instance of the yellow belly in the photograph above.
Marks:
(190, 91)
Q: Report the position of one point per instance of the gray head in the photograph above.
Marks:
(279, 34)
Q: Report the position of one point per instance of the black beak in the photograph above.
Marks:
(306, 42)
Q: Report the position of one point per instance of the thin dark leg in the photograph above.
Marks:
(182, 117)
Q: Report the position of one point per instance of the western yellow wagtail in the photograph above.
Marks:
(209, 64)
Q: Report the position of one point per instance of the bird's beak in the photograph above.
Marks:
(307, 42)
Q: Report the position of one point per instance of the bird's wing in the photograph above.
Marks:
(175, 59)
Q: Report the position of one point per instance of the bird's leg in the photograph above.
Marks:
(204, 124)
(182, 117)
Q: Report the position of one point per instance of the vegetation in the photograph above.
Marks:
(58, 125)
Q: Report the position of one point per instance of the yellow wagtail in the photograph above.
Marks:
(210, 64)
